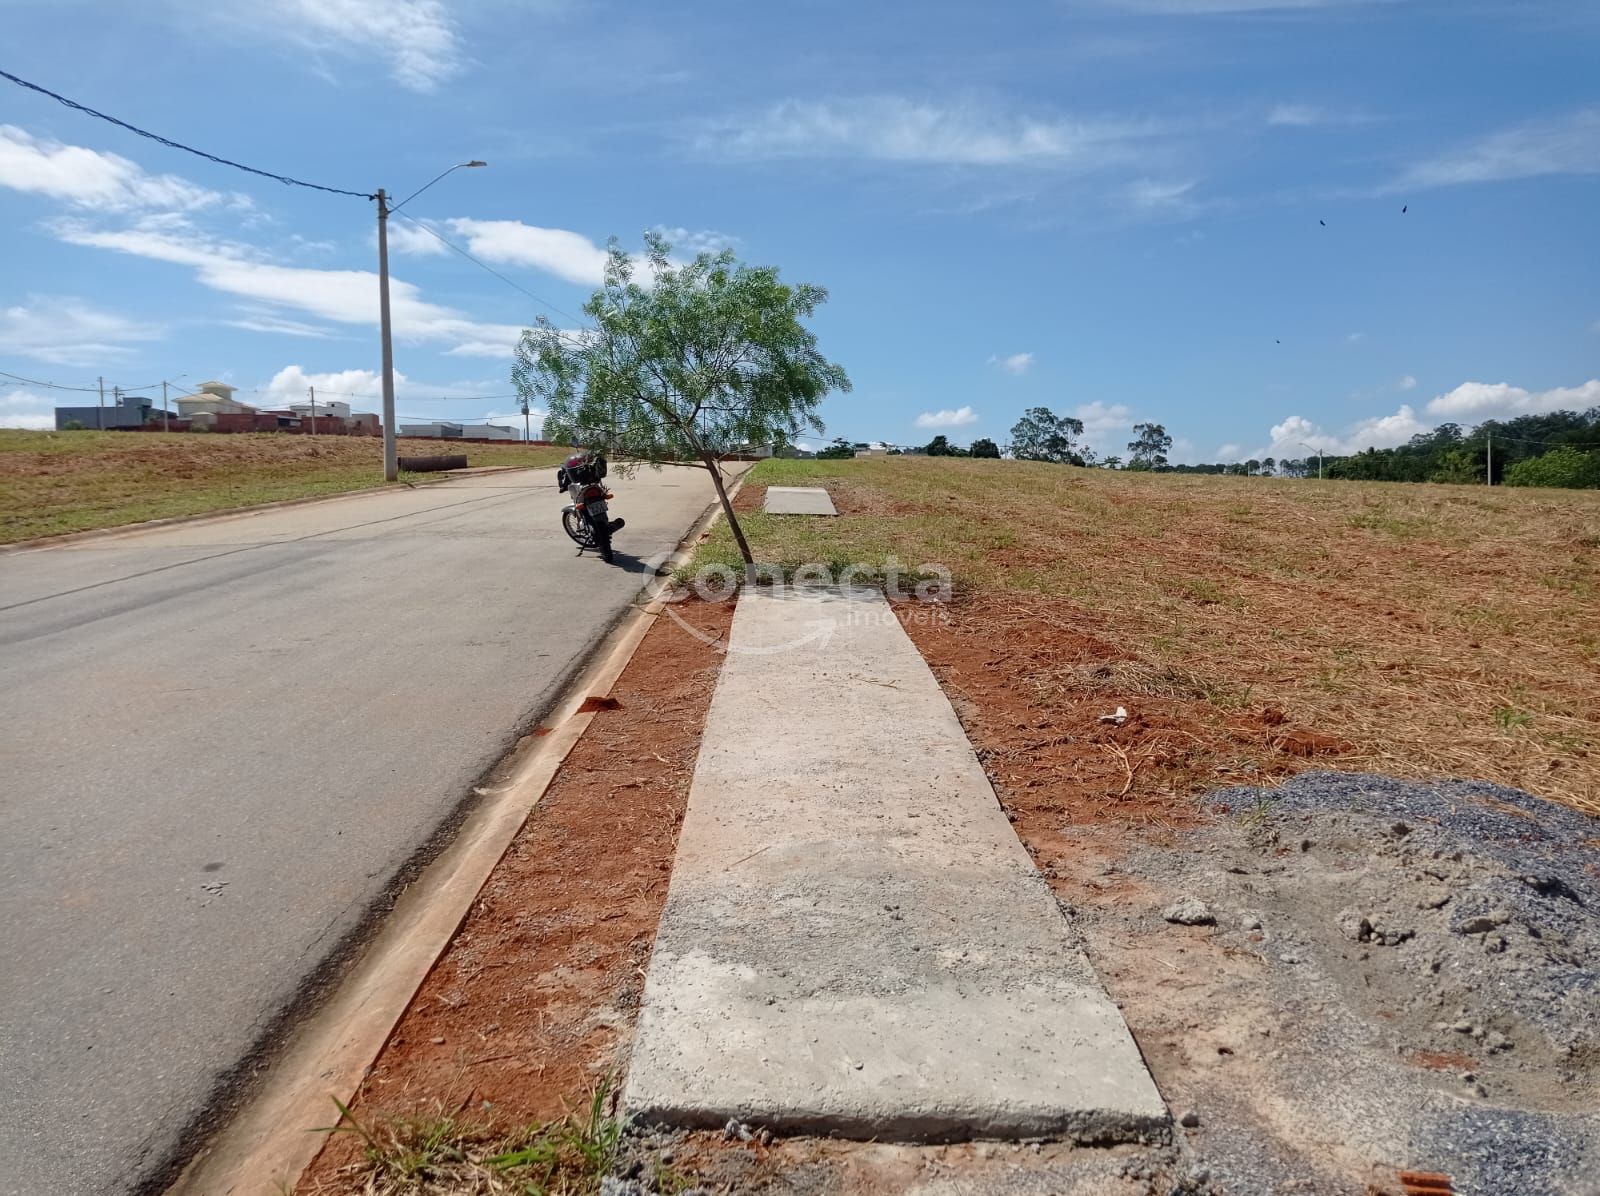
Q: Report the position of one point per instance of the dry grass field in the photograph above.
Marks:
(57, 482)
(1416, 630)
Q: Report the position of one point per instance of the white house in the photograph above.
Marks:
(213, 398)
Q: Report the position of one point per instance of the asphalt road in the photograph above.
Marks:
(220, 741)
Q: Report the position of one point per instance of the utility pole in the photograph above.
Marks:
(100, 416)
(391, 454)
(116, 396)
(1488, 470)
(527, 428)
(166, 415)
(313, 392)
(391, 460)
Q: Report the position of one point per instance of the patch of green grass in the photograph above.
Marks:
(443, 1153)
(52, 483)
(1509, 718)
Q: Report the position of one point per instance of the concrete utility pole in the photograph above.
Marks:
(391, 452)
(166, 415)
(527, 428)
(1488, 469)
(312, 391)
(100, 416)
(1317, 451)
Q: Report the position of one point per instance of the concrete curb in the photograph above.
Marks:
(268, 1142)
(128, 529)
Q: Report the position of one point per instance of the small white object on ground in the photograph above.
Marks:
(798, 500)
(814, 924)
(1120, 717)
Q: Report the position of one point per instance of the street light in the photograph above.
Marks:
(391, 456)
(1317, 451)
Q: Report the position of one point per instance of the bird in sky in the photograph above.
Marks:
(1403, 208)
(1324, 223)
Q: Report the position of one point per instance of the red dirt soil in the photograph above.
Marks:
(533, 1002)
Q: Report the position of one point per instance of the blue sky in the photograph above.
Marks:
(1113, 208)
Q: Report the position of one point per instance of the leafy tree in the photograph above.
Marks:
(1252, 467)
(1268, 465)
(840, 450)
(1041, 435)
(984, 447)
(940, 446)
(1561, 466)
(1111, 462)
(1149, 447)
(695, 361)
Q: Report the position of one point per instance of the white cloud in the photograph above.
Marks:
(958, 418)
(363, 390)
(417, 37)
(557, 251)
(1166, 198)
(1407, 382)
(262, 321)
(24, 409)
(341, 296)
(1017, 363)
(696, 241)
(1307, 116)
(1290, 438)
(897, 129)
(1567, 144)
(67, 331)
(1479, 401)
(1229, 452)
(413, 241)
(1354, 338)
(1101, 418)
(1296, 115)
(90, 179)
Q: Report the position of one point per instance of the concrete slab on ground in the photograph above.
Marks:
(798, 500)
(855, 942)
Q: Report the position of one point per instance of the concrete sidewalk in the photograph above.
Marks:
(798, 500)
(855, 942)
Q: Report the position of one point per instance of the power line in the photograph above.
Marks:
(88, 390)
(188, 149)
(451, 245)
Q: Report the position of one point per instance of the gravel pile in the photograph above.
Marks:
(1421, 966)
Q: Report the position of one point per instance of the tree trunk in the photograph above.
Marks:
(733, 520)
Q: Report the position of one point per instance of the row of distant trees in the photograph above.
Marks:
(1561, 448)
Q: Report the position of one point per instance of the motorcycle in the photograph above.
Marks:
(586, 518)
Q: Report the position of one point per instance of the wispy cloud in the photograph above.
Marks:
(417, 38)
(1016, 363)
(340, 296)
(1220, 7)
(897, 129)
(66, 331)
(958, 418)
(1567, 144)
(91, 180)
(1309, 116)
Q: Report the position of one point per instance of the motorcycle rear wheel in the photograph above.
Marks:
(579, 528)
(600, 529)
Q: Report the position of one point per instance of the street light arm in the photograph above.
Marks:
(458, 166)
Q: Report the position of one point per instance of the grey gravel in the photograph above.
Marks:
(1412, 926)
(1189, 911)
